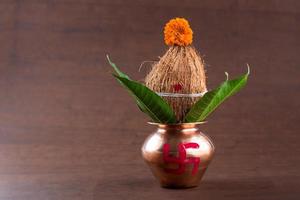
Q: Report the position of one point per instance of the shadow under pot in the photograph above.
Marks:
(178, 154)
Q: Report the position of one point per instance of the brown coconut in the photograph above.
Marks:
(179, 70)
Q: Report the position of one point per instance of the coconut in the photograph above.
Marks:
(179, 75)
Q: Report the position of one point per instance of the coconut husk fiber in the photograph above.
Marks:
(179, 70)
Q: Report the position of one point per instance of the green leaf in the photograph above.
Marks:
(119, 72)
(212, 99)
(122, 74)
(155, 104)
(148, 101)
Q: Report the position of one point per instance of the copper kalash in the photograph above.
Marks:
(178, 155)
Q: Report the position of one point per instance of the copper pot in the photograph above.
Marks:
(178, 154)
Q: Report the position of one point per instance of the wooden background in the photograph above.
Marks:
(68, 131)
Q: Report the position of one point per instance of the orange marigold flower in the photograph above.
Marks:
(178, 32)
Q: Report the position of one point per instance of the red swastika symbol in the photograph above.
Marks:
(181, 160)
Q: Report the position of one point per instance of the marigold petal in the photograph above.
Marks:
(178, 32)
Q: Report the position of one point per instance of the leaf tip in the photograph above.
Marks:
(107, 57)
(248, 69)
(227, 76)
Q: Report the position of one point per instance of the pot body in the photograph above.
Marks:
(178, 155)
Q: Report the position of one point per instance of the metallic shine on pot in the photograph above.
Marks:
(178, 154)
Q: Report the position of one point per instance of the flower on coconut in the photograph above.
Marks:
(178, 32)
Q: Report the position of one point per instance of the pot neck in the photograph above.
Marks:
(179, 126)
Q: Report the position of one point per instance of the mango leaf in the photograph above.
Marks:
(212, 99)
(149, 101)
(119, 72)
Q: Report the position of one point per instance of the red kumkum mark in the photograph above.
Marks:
(177, 87)
(181, 160)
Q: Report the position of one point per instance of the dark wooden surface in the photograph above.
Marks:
(69, 131)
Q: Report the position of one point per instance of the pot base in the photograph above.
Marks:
(175, 181)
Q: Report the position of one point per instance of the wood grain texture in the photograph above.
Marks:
(68, 131)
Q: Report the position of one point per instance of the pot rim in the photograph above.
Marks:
(182, 125)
